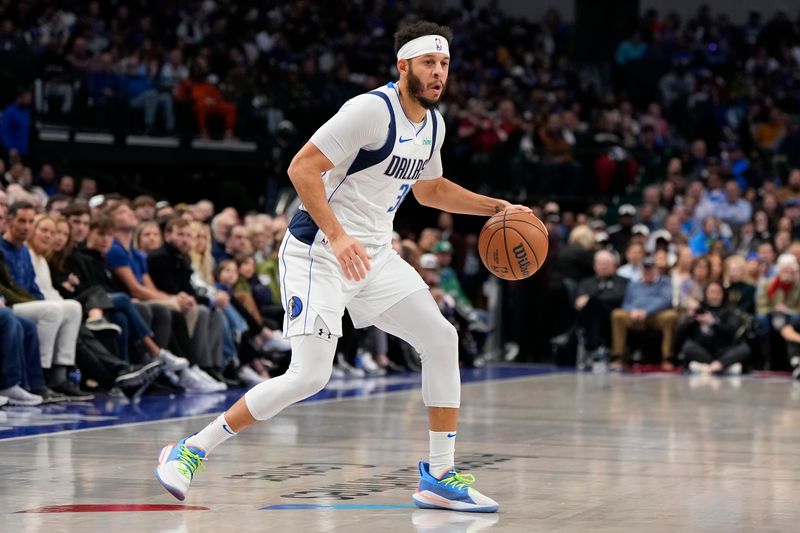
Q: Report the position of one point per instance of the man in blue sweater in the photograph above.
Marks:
(57, 321)
(647, 305)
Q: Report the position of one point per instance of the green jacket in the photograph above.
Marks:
(13, 293)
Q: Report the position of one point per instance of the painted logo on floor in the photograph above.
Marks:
(405, 479)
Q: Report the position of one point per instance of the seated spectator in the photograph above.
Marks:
(200, 254)
(575, 259)
(681, 271)
(647, 305)
(597, 297)
(693, 288)
(702, 240)
(620, 233)
(57, 203)
(250, 282)
(79, 217)
(147, 237)
(790, 332)
(766, 260)
(171, 272)
(733, 209)
(15, 124)
(633, 268)
(448, 279)
(42, 245)
(254, 335)
(20, 363)
(714, 333)
(738, 292)
(206, 99)
(103, 88)
(792, 187)
(173, 72)
(262, 239)
(57, 322)
(221, 226)
(129, 268)
(145, 207)
(85, 268)
(137, 88)
(427, 240)
(777, 300)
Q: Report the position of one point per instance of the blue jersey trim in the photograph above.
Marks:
(303, 227)
(370, 158)
(434, 125)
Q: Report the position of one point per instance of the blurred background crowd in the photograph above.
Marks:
(667, 170)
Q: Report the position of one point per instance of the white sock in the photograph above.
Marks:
(443, 452)
(212, 435)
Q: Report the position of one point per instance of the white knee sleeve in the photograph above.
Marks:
(418, 321)
(308, 373)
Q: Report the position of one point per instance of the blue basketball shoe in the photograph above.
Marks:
(452, 492)
(177, 465)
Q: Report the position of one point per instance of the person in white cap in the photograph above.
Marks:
(351, 177)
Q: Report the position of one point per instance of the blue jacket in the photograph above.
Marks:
(18, 261)
(15, 127)
(650, 297)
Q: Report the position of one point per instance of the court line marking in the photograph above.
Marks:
(548, 372)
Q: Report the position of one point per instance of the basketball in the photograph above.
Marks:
(513, 246)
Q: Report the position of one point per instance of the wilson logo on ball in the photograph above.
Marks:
(522, 259)
(513, 245)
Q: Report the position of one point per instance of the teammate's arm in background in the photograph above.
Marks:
(305, 171)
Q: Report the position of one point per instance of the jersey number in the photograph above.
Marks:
(404, 188)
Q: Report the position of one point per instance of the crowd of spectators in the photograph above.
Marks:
(669, 179)
(143, 295)
(523, 116)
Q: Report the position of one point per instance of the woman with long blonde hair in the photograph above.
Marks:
(200, 253)
(47, 241)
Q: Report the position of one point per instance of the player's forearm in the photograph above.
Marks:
(311, 191)
(445, 195)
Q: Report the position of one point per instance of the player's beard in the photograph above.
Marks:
(415, 90)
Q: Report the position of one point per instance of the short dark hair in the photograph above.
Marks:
(102, 223)
(241, 258)
(19, 206)
(111, 207)
(143, 200)
(58, 197)
(76, 209)
(409, 32)
(222, 264)
(175, 223)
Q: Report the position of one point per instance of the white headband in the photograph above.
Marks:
(427, 44)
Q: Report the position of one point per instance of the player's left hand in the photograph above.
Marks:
(518, 208)
(512, 208)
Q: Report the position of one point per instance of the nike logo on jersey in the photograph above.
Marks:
(406, 140)
(404, 168)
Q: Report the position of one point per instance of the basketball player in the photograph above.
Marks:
(337, 253)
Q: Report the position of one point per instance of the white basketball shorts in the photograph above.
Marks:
(313, 284)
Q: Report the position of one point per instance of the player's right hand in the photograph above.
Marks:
(352, 257)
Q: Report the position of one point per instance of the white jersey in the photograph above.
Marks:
(378, 155)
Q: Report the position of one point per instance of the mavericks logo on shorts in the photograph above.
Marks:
(295, 307)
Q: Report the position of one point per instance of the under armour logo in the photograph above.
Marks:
(321, 333)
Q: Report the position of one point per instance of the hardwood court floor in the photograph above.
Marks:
(559, 452)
